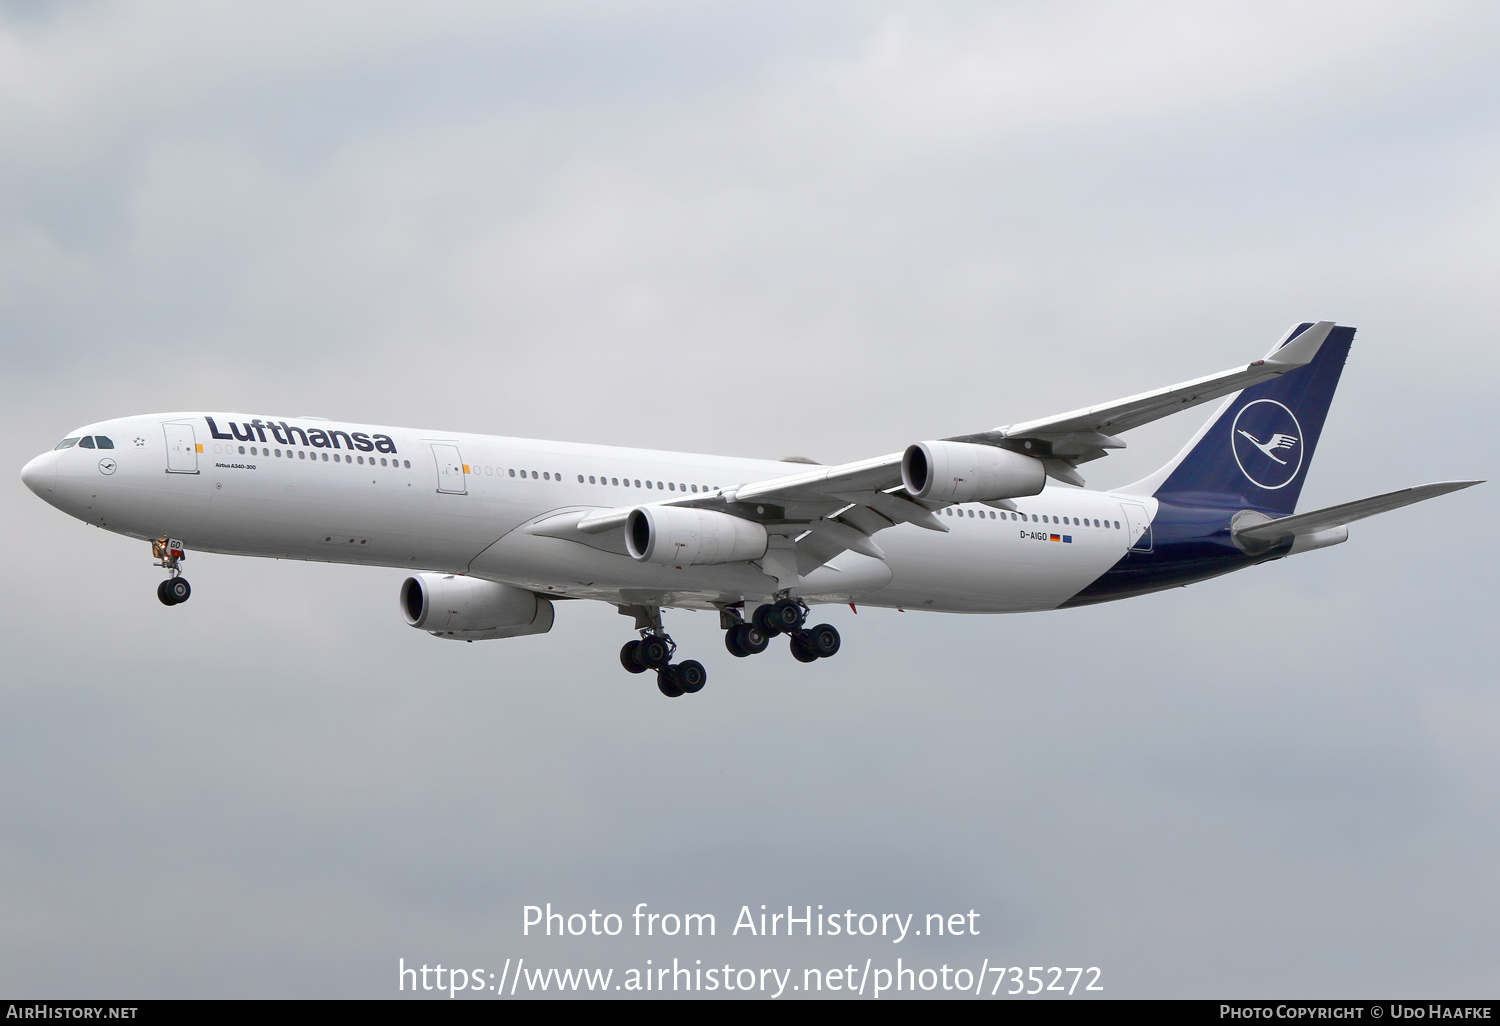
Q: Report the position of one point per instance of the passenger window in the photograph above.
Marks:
(546, 476)
(614, 480)
(533, 475)
(637, 482)
(86, 442)
(695, 488)
(648, 484)
(406, 464)
(658, 484)
(382, 461)
(66, 443)
(671, 486)
(302, 454)
(278, 453)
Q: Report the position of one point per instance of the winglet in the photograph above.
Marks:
(1299, 352)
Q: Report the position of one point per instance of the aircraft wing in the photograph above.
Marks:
(1067, 439)
(1272, 531)
(827, 510)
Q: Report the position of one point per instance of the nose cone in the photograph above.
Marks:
(40, 475)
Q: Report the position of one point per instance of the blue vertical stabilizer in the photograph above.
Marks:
(1256, 452)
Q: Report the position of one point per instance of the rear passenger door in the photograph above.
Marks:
(1140, 526)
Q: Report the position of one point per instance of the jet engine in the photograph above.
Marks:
(965, 472)
(681, 536)
(468, 609)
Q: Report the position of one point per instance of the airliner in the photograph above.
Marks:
(494, 530)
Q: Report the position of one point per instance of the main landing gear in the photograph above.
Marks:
(169, 556)
(654, 651)
(655, 648)
(784, 616)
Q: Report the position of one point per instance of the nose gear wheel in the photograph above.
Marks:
(169, 555)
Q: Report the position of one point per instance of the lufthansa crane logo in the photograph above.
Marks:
(1267, 444)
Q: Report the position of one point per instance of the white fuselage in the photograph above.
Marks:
(462, 503)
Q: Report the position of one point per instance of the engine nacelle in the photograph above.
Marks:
(468, 609)
(965, 472)
(681, 536)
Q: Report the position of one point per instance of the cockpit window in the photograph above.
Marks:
(103, 442)
(66, 443)
(87, 442)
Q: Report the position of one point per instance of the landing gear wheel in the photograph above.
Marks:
(745, 639)
(732, 642)
(787, 616)
(752, 639)
(655, 652)
(163, 594)
(823, 639)
(174, 590)
(802, 649)
(666, 682)
(691, 676)
(762, 619)
(630, 657)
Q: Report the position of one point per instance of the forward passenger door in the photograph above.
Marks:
(182, 448)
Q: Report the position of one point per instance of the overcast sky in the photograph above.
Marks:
(816, 229)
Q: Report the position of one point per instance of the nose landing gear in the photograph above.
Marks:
(169, 555)
(173, 590)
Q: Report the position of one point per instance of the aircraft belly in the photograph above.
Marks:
(991, 568)
(579, 571)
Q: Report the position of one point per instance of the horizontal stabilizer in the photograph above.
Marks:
(1270, 531)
